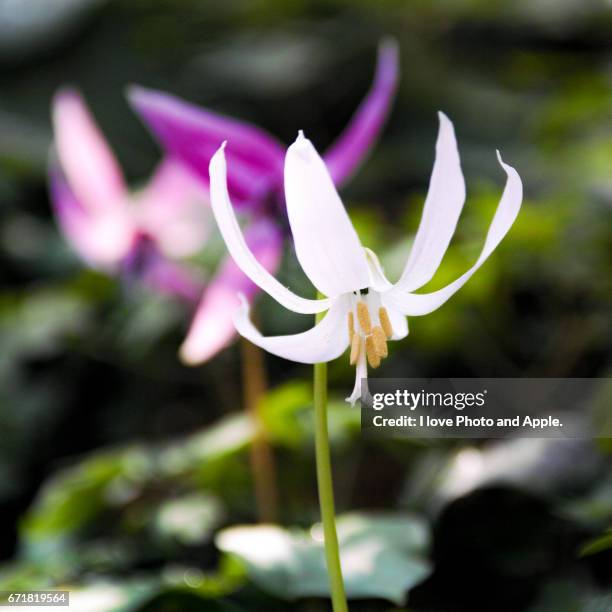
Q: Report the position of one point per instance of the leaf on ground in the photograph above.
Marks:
(383, 556)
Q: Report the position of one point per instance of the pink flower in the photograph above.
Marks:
(114, 230)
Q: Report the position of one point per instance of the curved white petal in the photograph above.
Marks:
(378, 281)
(326, 243)
(238, 248)
(441, 211)
(325, 341)
(507, 211)
(398, 320)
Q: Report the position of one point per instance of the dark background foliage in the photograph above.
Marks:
(89, 377)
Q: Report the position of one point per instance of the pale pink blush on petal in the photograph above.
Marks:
(101, 240)
(146, 265)
(173, 279)
(174, 208)
(85, 157)
(212, 328)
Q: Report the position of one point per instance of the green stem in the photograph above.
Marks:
(326, 490)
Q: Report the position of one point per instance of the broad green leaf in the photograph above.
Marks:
(383, 556)
(288, 416)
(75, 495)
(597, 545)
(230, 576)
(112, 597)
(189, 519)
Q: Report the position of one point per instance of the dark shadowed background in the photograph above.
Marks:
(118, 465)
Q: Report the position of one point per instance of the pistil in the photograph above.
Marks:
(356, 348)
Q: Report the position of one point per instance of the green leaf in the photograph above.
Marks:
(106, 596)
(230, 576)
(280, 408)
(189, 519)
(597, 545)
(382, 556)
(287, 416)
(76, 495)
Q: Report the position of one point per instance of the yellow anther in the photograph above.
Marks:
(371, 353)
(380, 341)
(363, 316)
(351, 326)
(385, 321)
(356, 348)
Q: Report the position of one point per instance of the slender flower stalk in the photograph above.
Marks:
(326, 488)
(263, 468)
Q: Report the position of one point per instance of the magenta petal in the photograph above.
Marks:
(212, 328)
(100, 240)
(350, 149)
(194, 134)
(173, 279)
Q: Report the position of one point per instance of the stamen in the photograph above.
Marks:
(356, 348)
(371, 353)
(385, 321)
(351, 326)
(363, 315)
(380, 341)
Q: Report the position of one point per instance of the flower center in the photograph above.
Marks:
(370, 334)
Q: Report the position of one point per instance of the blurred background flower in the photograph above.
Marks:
(112, 451)
(169, 218)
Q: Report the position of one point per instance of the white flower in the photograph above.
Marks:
(364, 308)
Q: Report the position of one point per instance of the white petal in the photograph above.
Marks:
(398, 320)
(441, 211)
(324, 342)
(361, 378)
(326, 243)
(244, 258)
(507, 211)
(378, 281)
